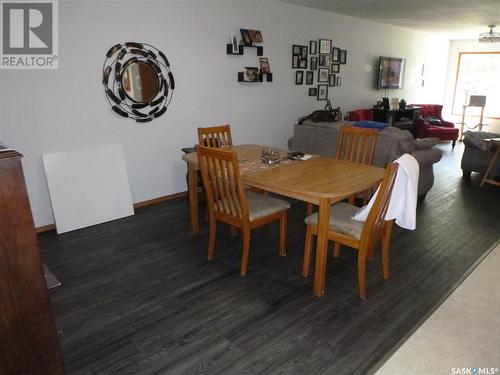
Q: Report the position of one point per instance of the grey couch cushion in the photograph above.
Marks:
(340, 220)
(425, 143)
(476, 139)
(260, 205)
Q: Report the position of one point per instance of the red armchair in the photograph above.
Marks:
(360, 115)
(445, 131)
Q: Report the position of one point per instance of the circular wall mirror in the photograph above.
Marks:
(137, 80)
(140, 82)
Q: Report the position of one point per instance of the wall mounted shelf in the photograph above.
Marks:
(241, 49)
(269, 77)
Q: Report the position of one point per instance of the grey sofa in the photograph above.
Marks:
(475, 158)
(320, 138)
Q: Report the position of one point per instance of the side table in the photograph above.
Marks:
(493, 152)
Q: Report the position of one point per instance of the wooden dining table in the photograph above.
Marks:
(321, 181)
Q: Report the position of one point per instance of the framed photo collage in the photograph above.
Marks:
(321, 60)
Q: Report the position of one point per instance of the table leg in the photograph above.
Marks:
(193, 200)
(321, 247)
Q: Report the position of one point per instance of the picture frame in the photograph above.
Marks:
(335, 54)
(313, 47)
(245, 37)
(325, 60)
(255, 36)
(309, 77)
(234, 44)
(299, 77)
(323, 74)
(343, 56)
(339, 82)
(322, 92)
(314, 63)
(251, 74)
(313, 91)
(325, 46)
(332, 81)
(334, 68)
(299, 56)
(264, 65)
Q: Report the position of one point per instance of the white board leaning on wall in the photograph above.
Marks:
(88, 187)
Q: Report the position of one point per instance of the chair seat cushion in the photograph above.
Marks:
(260, 205)
(340, 220)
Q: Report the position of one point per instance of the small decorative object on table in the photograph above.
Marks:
(402, 104)
(270, 156)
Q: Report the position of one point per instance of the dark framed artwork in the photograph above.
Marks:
(299, 77)
(314, 63)
(325, 60)
(313, 91)
(334, 68)
(332, 80)
(245, 37)
(255, 36)
(322, 92)
(343, 56)
(264, 65)
(339, 81)
(323, 74)
(325, 46)
(251, 74)
(335, 54)
(299, 57)
(309, 77)
(313, 47)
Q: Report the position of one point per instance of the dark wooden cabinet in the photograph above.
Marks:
(404, 119)
(28, 336)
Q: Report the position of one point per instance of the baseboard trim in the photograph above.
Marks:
(147, 203)
(45, 228)
(152, 202)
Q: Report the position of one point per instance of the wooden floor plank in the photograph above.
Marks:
(139, 296)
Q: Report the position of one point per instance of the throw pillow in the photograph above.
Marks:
(371, 124)
(433, 120)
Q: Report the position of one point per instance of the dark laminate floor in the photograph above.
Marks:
(138, 296)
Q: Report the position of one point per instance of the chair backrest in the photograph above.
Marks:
(215, 136)
(430, 109)
(360, 115)
(356, 144)
(222, 181)
(375, 220)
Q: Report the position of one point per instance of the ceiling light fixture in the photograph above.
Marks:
(490, 37)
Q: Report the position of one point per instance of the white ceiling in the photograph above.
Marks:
(455, 19)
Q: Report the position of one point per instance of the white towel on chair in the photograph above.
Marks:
(403, 201)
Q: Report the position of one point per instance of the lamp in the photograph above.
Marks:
(490, 37)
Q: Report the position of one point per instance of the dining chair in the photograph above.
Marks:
(230, 203)
(215, 136)
(356, 145)
(361, 236)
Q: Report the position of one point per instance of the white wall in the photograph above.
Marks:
(457, 46)
(65, 109)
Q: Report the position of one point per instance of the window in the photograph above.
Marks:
(478, 74)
